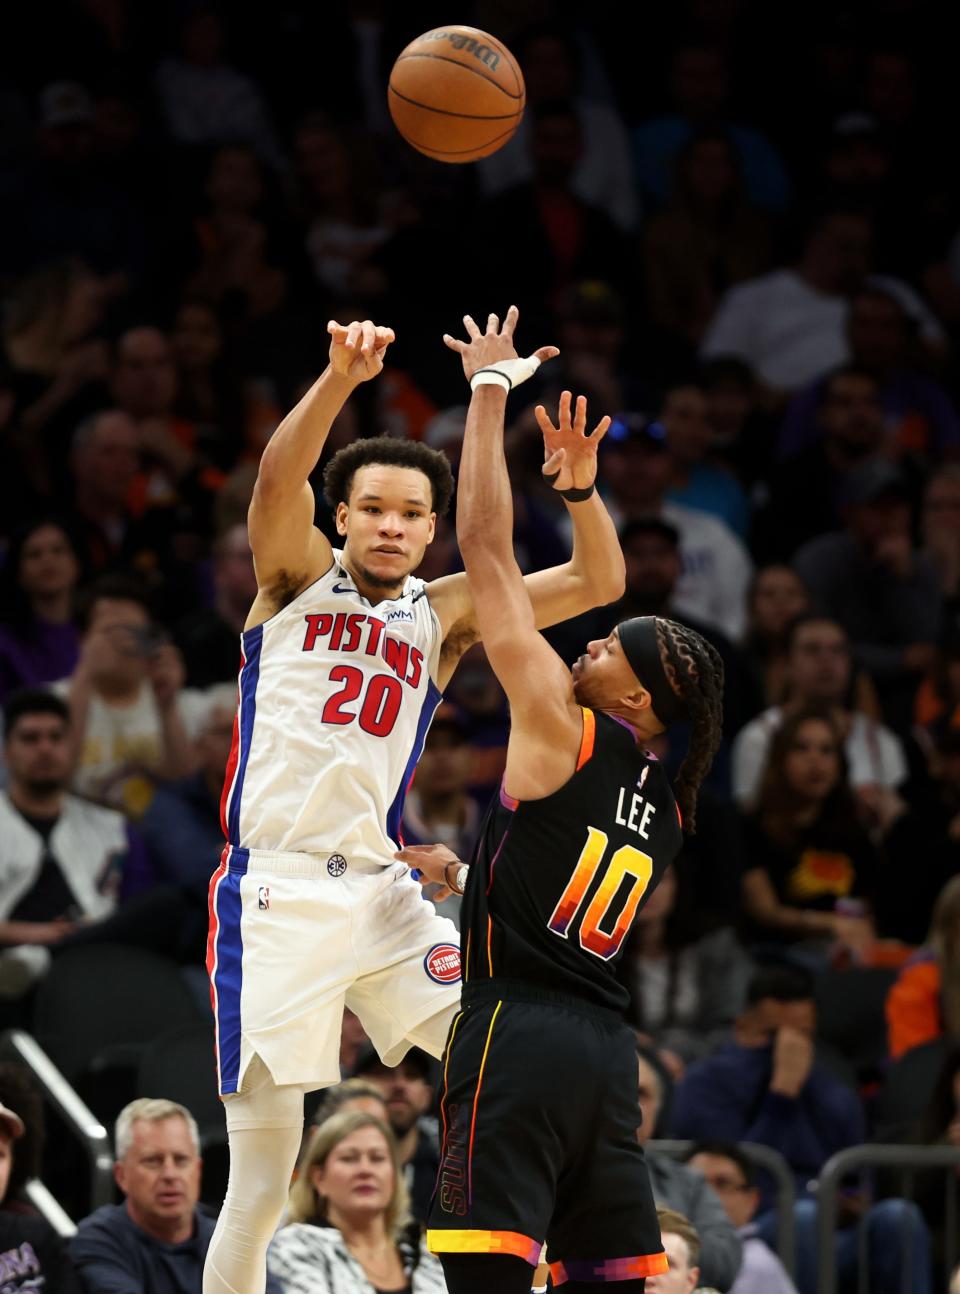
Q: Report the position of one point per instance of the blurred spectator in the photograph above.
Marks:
(157, 1240)
(870, 579)
(940, 539)
(556, 239)
(698, 481)
(58, 363)
(922, 823)
(32, 1255)
(341, 1238)
(920, 420)
(732, 1177)
(64, 863)
(353, 1040)
(351, 1094)
(143, 382)
(777, 598)
(59, 203)
(790, 325)
(208, 394)
(204, 98)
(105, 463)
(38, 637)
(675, 1186)
(181, 827)
(924, 1003)
(768, 1087)
(234, 259)
(810, 490)
(818, 671)
(592, 336)
(686, 988)
(651, 548)
(477, 693)
(704, 241)
(408, 1089)
(342, 207)
(635, 472)
(438, 808)
(699, 89)
(550, 58)
(210, 639)
(807, 854)
(131, 720)
(742, 428)
(682, 1247)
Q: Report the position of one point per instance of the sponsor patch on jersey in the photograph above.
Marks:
(263, 898)
(399, 614)
(336, 864)
(442, 963)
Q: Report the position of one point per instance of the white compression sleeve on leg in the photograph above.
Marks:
(265, 1126)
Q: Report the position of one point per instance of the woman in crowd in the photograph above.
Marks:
(686, 985)
(777, 596)
(349, 1230)
(924, 1003)
(810, 864)
(39, 642)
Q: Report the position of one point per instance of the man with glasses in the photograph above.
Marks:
(731, 1176)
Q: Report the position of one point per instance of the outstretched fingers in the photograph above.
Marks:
(543, 353)
(473, 332)
(543, 421)
(601, 429)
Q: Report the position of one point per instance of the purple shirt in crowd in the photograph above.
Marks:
(37, 654)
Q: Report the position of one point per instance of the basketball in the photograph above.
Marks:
(456, 94)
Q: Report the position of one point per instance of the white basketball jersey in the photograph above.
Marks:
(336, 696)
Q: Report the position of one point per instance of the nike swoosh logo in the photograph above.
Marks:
(338, 589)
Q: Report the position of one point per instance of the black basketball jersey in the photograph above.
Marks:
(556, 883)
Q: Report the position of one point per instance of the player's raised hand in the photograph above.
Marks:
(429, 865)
(567, 448)
(357, 349)
(481, 349)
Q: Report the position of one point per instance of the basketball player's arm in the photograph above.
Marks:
(287, 546)
(546, 723)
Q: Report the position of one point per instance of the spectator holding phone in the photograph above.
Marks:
(131, 722)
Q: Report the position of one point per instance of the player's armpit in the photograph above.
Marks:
(288, 549)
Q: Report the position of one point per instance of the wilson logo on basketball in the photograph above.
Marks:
(442, 963)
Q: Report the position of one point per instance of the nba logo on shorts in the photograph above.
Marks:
(442, 963)
(263, 897)
(336, 864)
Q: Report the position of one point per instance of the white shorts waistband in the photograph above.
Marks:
(333, 864)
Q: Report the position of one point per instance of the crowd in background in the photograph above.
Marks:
(742, 229)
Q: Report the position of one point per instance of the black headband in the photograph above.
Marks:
(638, 638)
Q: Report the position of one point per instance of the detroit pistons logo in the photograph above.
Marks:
(442, 963)
(336, 864)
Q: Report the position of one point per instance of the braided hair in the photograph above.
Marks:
(695, 672)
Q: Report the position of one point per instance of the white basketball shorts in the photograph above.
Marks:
(294, 937)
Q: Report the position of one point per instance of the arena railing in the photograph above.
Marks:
(907, 1160)
(770, 1161)
(84, 1124)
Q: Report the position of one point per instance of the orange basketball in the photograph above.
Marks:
(456, 94)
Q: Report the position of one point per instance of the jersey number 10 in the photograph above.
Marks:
(626, 861)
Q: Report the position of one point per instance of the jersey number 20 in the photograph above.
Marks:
(626, 861)
(381, 701)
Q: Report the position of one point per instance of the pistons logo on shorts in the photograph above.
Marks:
(336, 864)
(442, 963)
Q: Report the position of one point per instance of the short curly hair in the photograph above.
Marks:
(385, 450)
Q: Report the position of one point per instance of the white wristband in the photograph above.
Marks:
(507, 373)
(489, 377)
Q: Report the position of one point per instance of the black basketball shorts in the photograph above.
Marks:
(539, 1120)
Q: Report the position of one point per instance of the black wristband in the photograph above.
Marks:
(577, 496)
(550, 477)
